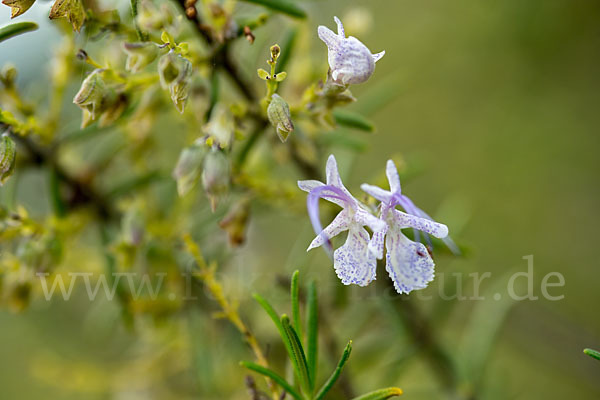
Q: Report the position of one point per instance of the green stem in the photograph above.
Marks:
(134, 12)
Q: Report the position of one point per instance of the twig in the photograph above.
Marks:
(82, 192)
(206, 274)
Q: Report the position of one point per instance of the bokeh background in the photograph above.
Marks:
(495, 112)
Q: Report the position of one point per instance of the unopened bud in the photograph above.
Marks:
(139, 55)
(279, 116)
(275, 51)
(18, 7)
(189, 165)
(8, 153)
(90, 96)
(221, 126)
(175, 73)
(152, 18)
(215, 176)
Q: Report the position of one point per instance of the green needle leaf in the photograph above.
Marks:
(8, 31)
(275, 318)
(380, 394)
(336, 373)
(312, 320)
(294, 289)
(592, 353)
(353, 120)
(283, 6)
(297, 355)
(274, 376)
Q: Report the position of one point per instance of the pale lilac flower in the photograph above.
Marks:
(350, 61)
(354, 262)
(408, 263)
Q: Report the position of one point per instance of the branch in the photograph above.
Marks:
(82, 191)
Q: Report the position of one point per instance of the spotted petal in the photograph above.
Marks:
(326, 35)
(378, 193)
(404, 220)
(309, 185)
(340, 27)
(408, 263)
(354, 263)
(339, 224)
(392, 174)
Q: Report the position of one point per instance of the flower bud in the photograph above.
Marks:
(175, 73)
(275, 51)
(152, 18)
(189, 165)
(90, 96)
(350, 61)
(279, 116)
(8, 153)
(18, 7)
(139, 55)
(215, 176)
(221, 126)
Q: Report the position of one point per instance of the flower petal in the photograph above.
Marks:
(404, 220)
(354, 263)
(363, 217)
(378, 56)
(408, 263)
(340, 27)
(327, 36)
(392, 175)
(309, 185)
(377, 241)
(333, 176)
(378, 193)
(339, 224)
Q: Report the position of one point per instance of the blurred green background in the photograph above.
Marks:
(496, 115)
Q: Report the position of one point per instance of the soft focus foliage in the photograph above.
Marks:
(149, 157)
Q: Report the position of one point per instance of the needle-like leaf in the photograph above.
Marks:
(336, 373)
(274, 376)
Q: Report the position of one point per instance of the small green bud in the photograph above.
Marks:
(70, 9)
(90, 96)
(279, 116)
(215, 176)
(275, 51)
(18, 7)
(189, 165)
(139, 55)
(175, 73)
(8, 153)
